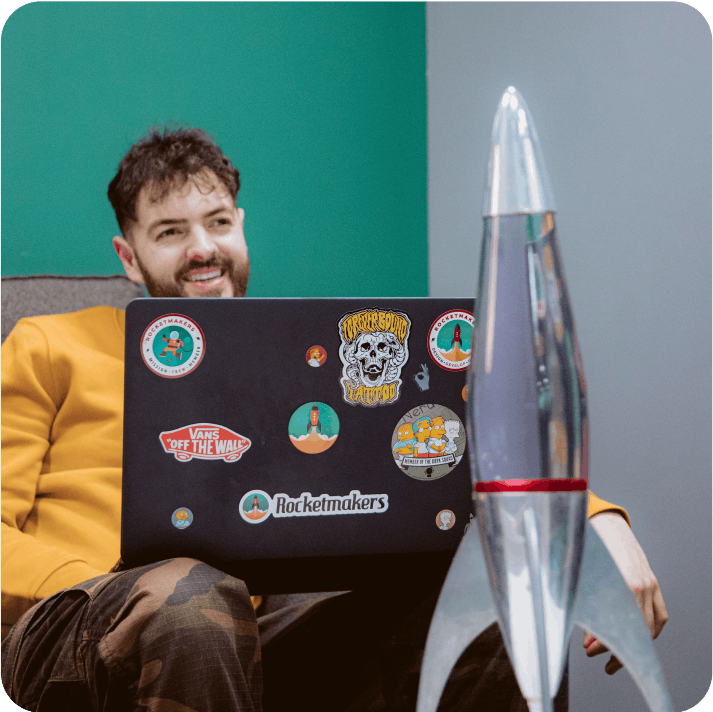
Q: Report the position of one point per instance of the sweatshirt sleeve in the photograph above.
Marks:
(597, 506)
(30, 401)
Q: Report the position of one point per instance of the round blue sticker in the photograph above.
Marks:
(182, 518)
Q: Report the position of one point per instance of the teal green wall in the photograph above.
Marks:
(321, 106)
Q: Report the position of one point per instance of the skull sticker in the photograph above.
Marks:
(374, 348)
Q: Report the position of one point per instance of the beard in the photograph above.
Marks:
(237, 274)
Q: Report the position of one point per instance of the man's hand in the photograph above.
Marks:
(634, 567)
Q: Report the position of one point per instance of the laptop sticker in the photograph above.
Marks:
(316, 356)
(445, 519)
(256, 505)
(422, 378)
(450, 340)
(313, 427)
(172, 345)
(182, 518)
(373, 350)
(464, 392)
(204, 441)
(428, 442)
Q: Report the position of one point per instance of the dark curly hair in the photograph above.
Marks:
(167, 159)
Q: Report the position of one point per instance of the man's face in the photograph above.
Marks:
(189, 244)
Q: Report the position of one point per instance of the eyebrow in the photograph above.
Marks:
(168, 221)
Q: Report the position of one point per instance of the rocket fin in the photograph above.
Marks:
(465, 609)
(607, 609)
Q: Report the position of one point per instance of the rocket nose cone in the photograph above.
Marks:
(517, 180)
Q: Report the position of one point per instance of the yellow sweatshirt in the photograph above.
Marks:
(62, 424)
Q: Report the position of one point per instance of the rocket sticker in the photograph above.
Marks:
(255, 506)
(313, 427)
(450, 340)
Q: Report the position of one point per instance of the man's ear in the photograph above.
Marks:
(128, 258)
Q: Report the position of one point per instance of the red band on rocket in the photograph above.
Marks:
(546, 485)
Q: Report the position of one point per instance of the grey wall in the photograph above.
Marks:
(621, 97)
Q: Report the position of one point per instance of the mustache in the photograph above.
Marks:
(213, 263)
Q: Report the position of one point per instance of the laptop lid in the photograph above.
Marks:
(300, 444)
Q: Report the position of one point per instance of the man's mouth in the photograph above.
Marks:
(205, 278)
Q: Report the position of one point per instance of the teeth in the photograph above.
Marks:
(204, 277)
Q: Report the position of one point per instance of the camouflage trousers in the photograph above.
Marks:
(181, 636)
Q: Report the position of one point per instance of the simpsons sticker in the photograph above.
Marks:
(313, 427)
(172, 345)
(373, 350)
(450, 340)
(428, 442)
(182, 518)
(445, 519)
(316, 356)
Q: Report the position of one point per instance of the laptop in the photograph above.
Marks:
(299, 444)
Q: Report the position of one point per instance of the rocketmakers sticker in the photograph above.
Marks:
(373, 350)
(316, 356)
(172, 345)
(428, 442)
(204, 441)
(450, 340)
(256, 505)
(313, 427)
(182, 518)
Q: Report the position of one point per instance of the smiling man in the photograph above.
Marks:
(182, 232)
(178, 635)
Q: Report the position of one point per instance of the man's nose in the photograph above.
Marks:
(201, 246)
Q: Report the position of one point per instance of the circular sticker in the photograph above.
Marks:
(182, 518)
(445, 519)
(255, 506)
(316, 356)
(450, 340)
(172, 345)
(464, 392)
(313, 427)
(428, 442)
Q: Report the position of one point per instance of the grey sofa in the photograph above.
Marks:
(37, 294)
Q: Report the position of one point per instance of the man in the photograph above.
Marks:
(179, 635)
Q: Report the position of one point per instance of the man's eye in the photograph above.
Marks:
(168, 233)
(220, 222)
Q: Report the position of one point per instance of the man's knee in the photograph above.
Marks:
(179, 599)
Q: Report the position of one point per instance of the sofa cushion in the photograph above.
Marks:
(34, 295)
